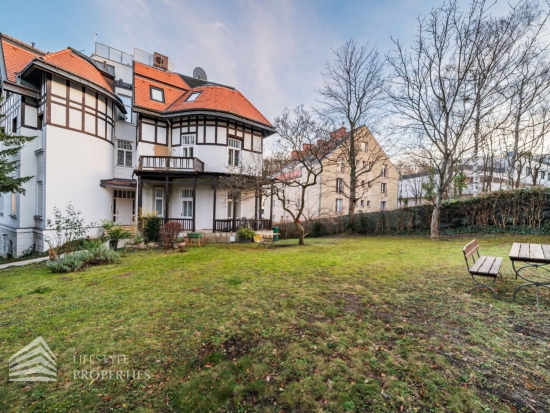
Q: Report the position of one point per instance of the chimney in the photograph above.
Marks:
(338, 133)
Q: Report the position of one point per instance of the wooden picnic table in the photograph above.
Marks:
(526, 256)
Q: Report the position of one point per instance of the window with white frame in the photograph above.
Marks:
(157, 94)
(383, 187)
(234, 152)
(368, 204)
(384, 171)
(364, 146)
(187, 142)
(362, 203)
(193, 96)
(340, 168)
(124, 153)
(233, 205)
(187, 203)
(339, 206)
(159, 201)
(382, 205)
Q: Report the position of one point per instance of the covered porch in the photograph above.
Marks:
(199, 203)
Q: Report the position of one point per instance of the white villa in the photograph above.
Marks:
(119, 133)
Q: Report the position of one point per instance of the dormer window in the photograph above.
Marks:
(193, 96)
(157, 94)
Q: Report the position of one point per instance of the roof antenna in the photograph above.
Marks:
(32, 44)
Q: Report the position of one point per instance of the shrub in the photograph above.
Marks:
(101, 255)
(114, 231)
(316, 229)
(169, 232)
(245, 233)
(151, 225)
(70, 262)
(66, 229)
(96, 254)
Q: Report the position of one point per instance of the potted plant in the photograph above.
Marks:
(139, 241)
(245, 234)
(114, 233)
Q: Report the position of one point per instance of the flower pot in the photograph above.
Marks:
(140, 244)
(113, 244)
(181, 246)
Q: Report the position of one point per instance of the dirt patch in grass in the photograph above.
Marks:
(236, 348)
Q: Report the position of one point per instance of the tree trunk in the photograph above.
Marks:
(351, 215)
(301, 231)
(436, 218)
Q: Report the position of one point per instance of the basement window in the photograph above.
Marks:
(157, 94)
(193, 96)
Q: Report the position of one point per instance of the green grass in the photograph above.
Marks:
(380, 324)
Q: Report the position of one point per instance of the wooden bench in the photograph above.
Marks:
(267, 239)
(482, 266)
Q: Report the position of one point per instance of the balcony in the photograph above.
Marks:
(170, 163)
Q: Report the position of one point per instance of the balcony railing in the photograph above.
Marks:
(187, 224)
(170, 163)
(232, 225)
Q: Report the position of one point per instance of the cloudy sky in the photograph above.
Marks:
(272, 51)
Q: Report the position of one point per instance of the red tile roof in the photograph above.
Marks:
(221, 99)
(172, 79)
(77, 65)
(15, 57)
(142, 94)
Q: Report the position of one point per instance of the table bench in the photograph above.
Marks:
(531, 256)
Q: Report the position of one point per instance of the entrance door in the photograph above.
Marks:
(124, 204)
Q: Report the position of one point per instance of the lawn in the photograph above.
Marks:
(378, 324)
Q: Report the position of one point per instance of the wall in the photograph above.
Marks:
(75, 164)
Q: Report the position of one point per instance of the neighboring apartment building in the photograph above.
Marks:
(119, 133)
(376, 189)
(412, 186)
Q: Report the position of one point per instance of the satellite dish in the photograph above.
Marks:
(199, 73)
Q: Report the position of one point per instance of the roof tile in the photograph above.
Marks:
(15, 58)
(142, 94)
(222, 99)
(68, 60)
(172, 79)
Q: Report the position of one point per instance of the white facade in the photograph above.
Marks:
(88, 152)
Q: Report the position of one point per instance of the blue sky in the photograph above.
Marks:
(272, 51)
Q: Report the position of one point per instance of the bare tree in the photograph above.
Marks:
(435, 94)
(307, 141)
(526, 96)
(353, 96)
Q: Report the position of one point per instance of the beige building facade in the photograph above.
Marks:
(376, 177)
